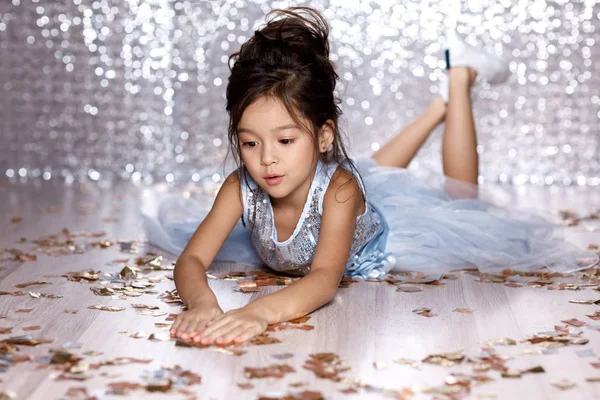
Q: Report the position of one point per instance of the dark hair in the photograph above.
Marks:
(288, 59)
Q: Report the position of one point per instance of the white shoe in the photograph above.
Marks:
(490, 68)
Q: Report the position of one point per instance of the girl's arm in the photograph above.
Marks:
(341, 205)
(190, 269)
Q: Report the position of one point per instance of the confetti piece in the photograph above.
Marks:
(70, 311)
(409, 289)
(563, 384)
(16, 293)
(45, 295)
(106, 308)
(26, 340)
(32, 328)
(574, 322)
(151, 313)
(282, 356)
(463, 310)
(511, 374)
(534, 370)
(424, 311)
(380, 365)
(326, 366)
(596, 316)
(24, 310)
(445, 359)
(584, 301)
(136, 335)
(161, 336)
(410, 362)
(24, 285)
(272, 371)
(144, 306)
(245, 386)
(230, 351)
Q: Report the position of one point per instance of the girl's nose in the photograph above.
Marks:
(268, 157)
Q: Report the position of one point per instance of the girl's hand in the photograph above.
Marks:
(189, 323)
(236, 325)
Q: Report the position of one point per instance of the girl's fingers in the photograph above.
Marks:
(231, 334)
(220, 331)
(197, 328)
(176, 325)
(245, 335)
(216, 325)
(183, 330)
(215, 319)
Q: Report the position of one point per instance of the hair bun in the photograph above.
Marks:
(290, 28)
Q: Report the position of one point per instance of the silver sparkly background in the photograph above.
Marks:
(135, 89)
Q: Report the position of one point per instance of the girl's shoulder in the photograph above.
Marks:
(343, 184)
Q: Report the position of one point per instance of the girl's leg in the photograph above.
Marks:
(400, 150)
(459, 144)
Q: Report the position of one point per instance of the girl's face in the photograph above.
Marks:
(279, 156)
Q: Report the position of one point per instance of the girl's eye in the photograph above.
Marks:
(287, 141)
(249, 144)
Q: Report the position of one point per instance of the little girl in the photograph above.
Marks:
(307, 209)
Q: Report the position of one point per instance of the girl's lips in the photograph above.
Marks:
(274, 181)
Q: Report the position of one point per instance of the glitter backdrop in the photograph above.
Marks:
(135, 89)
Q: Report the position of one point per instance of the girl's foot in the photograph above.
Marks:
(439, 106)
(444, 83)
(488, 67)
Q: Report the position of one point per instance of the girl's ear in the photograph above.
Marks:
(326, 135)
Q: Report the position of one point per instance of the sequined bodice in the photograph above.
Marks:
(294, 255)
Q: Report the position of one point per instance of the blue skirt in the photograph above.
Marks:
(435, 224)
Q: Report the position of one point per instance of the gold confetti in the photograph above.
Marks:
(409, 289)
(230, 351)
(161, 336)
(445, 359)
(24, 285)
(463, 310)
(106, 308)
(151, 313)
(564, 384)
(410, 362)
(584, 301)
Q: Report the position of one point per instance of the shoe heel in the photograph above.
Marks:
(447, 54)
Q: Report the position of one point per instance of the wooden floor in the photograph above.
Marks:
(370, 326)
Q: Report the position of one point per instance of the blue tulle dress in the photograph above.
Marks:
(432, 224)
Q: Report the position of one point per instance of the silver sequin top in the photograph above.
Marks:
(294, 255)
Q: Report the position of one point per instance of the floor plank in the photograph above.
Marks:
(367, 322)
